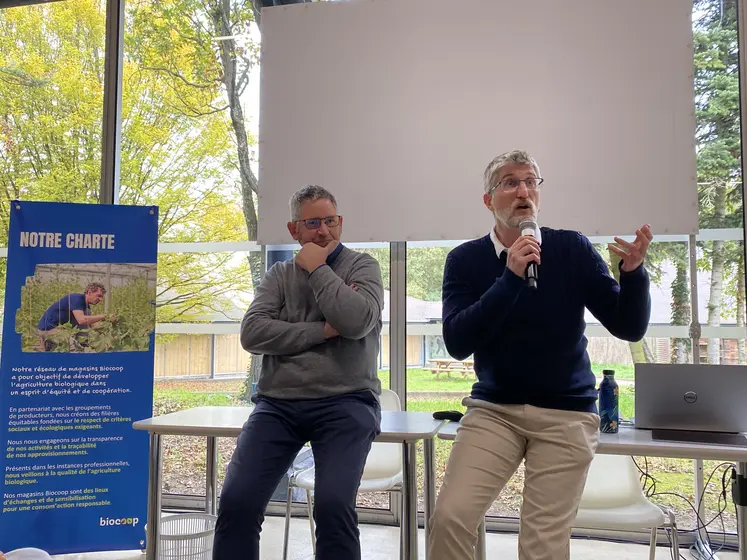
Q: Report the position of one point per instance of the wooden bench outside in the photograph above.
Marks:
(447, 366)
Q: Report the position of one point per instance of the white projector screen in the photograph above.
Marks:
(397, 107)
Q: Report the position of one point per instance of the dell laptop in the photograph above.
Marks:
(694, 403)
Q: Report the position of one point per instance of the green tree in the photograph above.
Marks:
(51, 74)
(383, 258)
(425, 268)
(203, 54)
(201, 50)
(718, 142)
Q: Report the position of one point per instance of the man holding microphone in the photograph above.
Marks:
(515, 300)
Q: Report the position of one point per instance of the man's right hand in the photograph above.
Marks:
(329, 331)
(312, 256)
(521, 253)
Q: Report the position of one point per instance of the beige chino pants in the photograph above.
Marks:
(557, 447)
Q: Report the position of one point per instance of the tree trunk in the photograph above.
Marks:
(740, 307)
(717, 278)
(714, 301)
(681, 313)
(639, 351)
(648, 353)
(249, 183)
(257, 11)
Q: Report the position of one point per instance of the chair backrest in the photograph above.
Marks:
(389, 401)
(385, 459)
(613, 481)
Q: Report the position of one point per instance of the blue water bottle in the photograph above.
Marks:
(608, 403)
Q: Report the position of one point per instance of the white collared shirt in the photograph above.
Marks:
(500, 247)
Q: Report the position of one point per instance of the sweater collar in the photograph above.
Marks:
(332, 257)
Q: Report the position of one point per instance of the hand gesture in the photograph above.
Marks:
(312, 256)
(521, 253)
(633, 254)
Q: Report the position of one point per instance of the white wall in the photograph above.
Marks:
(397, 106)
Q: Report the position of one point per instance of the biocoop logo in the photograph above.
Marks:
(109, 522)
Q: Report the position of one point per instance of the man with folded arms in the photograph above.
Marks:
(316, 320)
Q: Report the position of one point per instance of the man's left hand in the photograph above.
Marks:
(633, 254)
(312, 256)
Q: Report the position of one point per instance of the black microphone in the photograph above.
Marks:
(529, 227)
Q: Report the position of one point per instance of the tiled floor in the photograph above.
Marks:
(381, 543)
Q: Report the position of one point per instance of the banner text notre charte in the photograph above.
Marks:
(53, 240)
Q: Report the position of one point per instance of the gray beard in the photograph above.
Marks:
(511, 221)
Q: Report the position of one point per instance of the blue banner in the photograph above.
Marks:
(76, 371)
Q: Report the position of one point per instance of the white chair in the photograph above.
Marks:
(613, 499)
(381, 473)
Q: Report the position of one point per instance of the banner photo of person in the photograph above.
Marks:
(76, 370)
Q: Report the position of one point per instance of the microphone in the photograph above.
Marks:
(529, 227)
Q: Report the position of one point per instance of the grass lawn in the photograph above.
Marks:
(416, 403)
(622, 371)
(423, 380)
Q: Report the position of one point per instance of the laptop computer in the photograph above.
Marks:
(695, 403)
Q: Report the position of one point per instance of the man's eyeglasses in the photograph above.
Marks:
(532, 184)
(316, 223)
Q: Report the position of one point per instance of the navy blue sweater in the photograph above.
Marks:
(529, 346)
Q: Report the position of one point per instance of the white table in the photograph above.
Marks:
(632, 441)
(214, 422)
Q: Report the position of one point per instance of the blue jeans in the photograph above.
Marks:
(340, 429)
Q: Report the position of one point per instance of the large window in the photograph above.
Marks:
(189, 119)
(182, 150)
(187, 147)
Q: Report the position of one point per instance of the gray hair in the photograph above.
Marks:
(494, 167)
(309, 193)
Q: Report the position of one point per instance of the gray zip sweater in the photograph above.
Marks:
(285, 323)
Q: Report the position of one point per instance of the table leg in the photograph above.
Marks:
(409, 525)
(742, 515)
(481, 549)
(429, 468)
(211, 486)
(153, 524)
